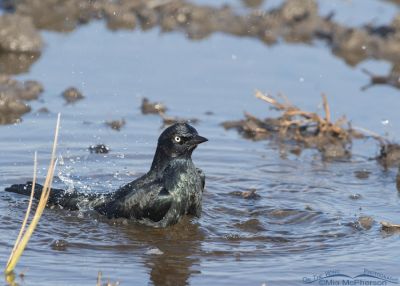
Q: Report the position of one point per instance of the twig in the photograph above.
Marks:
(271, 100)
(367, 72)
(374, 135)
(326, 108)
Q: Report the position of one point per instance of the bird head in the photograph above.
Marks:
(179, 140)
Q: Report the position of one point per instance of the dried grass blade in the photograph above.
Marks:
(326, 108)
(39, 211)
(28, 210)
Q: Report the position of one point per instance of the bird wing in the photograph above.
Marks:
(140, 201)
(202, 177)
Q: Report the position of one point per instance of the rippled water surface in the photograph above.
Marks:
(304, 219)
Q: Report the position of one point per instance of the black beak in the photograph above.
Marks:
(197, 139)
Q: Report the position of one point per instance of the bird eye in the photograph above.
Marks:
(177, 139)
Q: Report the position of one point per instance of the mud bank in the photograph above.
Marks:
(294, 21)
(20, 43)
(14, 96)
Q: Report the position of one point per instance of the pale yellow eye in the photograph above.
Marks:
(177, 139)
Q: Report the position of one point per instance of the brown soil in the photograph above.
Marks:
(152, 107)
(72, 95)
(160, 109)
(389, 155)
(116, 124)
(13, 97)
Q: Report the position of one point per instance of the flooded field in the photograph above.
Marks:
(270, 216)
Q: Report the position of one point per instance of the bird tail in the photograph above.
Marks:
(25, 189)
(71, 200)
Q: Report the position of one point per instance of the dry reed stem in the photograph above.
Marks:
(19, 249)
(99, 279)
(28, 211)
(273, 101)
(326, 108)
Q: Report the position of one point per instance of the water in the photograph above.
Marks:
(304, 221)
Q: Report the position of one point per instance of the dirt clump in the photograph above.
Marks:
(116, 124)
(158, 108)
(389, 155)
(366, 222)
(72, 94)
(16, 63)
(43, 110)
(152, 107)
(18, 34)
(13, 97)
(250, 194)
(362, 174)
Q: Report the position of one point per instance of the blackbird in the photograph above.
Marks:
(171, 189)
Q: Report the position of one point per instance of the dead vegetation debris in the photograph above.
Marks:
(301, 128)
(298, 129)
(391, 79)
(390, 227)
(250, 194)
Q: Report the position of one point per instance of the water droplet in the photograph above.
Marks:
(234, 57)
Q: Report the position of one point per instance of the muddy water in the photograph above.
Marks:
(304, 220)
